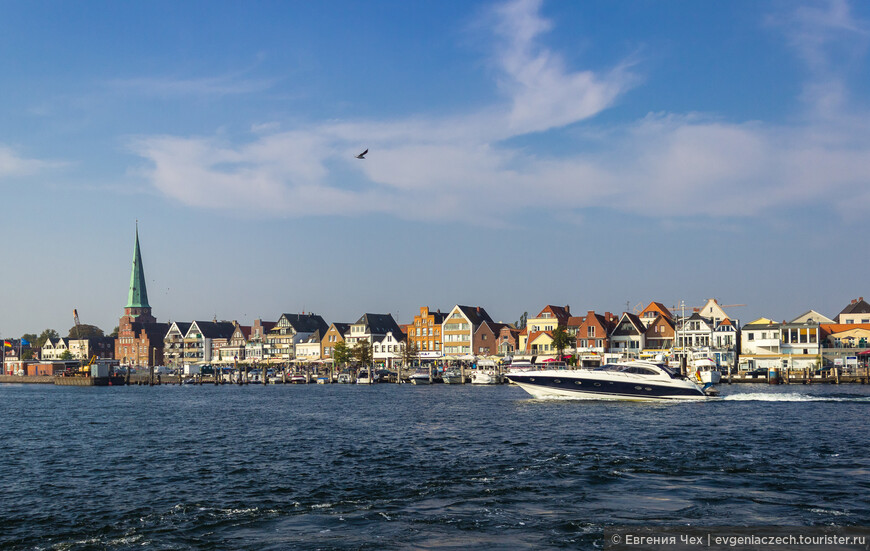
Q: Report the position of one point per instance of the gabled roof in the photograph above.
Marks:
(341, 328)
(632, 319)
(494, 327)
(246, 331)
(575, 321)
(475, 314)
(379, 324)
(214, 329)
(305, 323)
(660, 319)
(857, 306)
(812, 315)
(315, 337)
(561, 313)
(658, 308)
(182, 326)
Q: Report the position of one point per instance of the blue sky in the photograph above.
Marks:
(596, 154)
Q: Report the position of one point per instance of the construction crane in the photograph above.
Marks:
(84, 369)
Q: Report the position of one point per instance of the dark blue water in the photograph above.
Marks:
(401, 466)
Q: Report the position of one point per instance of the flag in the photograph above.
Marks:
(7, 344)
(25, 342)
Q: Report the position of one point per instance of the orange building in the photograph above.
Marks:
(425, 333)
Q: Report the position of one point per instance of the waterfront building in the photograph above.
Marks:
(334, 335)
(593, 338)
(695, 331)
(857, 311)
(84, 349)
(844, 343)
(255, 347)
(655, 309)
(371, 328)
(812, 316)
(291, 329)
(425, 333)
(628, 337)
(458, 329)
(173, 343)
(659, 336)
(508, 340)
(234, 350)
(388, 350)
(52, 349)
(140, 336)
(766, 344)
(308, 349)
(538, 335)
(486, 338)
(713, 311)
(725, 343)
(204, 339)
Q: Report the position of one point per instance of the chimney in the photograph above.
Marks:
(568, 309)
(854, 301)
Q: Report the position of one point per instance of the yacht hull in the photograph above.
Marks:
(566, 384)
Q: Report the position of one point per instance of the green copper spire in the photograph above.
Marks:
(138, 297)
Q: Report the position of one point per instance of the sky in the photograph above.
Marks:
(595, 154)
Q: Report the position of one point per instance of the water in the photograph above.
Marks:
(402, 466)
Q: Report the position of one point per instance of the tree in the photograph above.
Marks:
(522, 323)
(85, 331)
(362, 353)
(66, 355)
(45, 335)
(561, 340)
(409, 352)
(114, 332)
(341, 353)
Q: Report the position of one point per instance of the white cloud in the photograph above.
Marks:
(663, 166)
(13, 164)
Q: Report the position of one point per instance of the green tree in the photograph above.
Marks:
(521, 324)
(84, 331)
(561, 340)
(362, 353)
(114, 332)
(45, 335)
(341, 353)
(66, 355)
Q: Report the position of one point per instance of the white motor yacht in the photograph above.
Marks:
(630, 380)
(421, 377)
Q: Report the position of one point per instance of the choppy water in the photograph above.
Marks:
(401, 466)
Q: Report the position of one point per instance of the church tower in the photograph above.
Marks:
(140, 337)
(137, 308)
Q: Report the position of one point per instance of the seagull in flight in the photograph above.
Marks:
(362, 155)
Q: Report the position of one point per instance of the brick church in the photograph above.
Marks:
(140, 337)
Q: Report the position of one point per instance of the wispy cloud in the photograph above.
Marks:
(12, 164)
(663, 166)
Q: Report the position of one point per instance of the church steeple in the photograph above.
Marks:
(138, 297)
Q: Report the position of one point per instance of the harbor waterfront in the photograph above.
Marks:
(405, 466)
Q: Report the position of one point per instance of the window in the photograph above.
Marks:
(590, 331)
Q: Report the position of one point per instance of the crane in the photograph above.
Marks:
(84, 369)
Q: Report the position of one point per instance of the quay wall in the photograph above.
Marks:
(42, 379)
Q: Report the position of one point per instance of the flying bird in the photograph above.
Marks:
(362, 155)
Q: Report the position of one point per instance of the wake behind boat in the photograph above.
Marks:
(633, 380)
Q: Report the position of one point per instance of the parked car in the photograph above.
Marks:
(757, 372)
